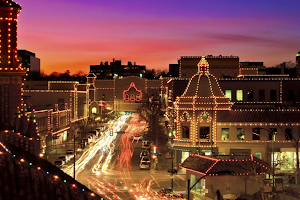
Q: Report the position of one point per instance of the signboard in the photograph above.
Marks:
(267, 186)
(278, 185)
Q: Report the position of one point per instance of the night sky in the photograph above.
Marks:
(74, 34)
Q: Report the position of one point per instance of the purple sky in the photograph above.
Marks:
(74, 34)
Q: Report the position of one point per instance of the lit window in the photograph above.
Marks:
(94, 110)
(225, 134)
(257, 155)
(240, 134)
(228, 94)
(138, 97)
(239, 95)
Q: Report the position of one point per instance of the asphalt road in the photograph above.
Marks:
(120, 179)
(123, 179)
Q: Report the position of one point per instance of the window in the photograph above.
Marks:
(228, 94)
(240, 134)
(273, 131)
(94, 110)
(186, 132)
(250, 95)
(138, 97)
(255, 134)
(288, 134)
(126, 97)
(257, 155)
(290, 95)
(61, 102)
(132, 97)
(273, 95)
(261, 95)
(225, 134)
(239, 95)
(204, 133)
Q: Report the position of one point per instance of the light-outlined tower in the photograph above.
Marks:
(11, 70)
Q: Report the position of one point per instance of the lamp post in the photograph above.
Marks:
(273, 156)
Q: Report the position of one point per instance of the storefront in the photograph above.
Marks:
(285, 159)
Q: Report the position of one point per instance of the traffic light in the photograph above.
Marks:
(154, 149)
(111, 133)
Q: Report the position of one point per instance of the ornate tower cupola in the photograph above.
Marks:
(11, 70)
(8, 23)
(197, 108)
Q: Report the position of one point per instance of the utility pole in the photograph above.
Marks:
(74, 155)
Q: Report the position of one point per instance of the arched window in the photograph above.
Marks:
(138, 97)
(132, 97)
(94, 110)
(126, 97)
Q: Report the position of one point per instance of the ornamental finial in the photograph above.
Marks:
(203, 66)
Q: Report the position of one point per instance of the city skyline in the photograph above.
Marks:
(78, 34)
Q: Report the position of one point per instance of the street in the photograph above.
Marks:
(110, 166)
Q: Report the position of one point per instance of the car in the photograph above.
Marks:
(70, 152)
(144, 153)
(59, 163)
(169, 192)
(64, 158)
(145, 163)
(146, 145)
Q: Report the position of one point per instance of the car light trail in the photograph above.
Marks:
(102, 144)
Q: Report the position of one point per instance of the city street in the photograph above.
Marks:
(110, 166)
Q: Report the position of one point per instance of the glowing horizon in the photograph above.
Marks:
(72, 35)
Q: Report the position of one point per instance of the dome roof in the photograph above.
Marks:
(298, 54)
(203, 91)
(203, 84)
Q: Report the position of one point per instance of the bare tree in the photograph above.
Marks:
(150, 111)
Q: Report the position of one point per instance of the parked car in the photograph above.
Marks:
(144, 153)
(64, 158)
(145, 163)
(169, 192)
(59, 163)
(70, 152)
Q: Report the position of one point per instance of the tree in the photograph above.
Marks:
(150, 111)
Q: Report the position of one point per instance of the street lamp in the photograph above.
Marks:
(219, 173)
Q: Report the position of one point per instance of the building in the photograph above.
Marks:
(252, 68)
(298, 64)
(116, 69)
(232, 175)
(234, 116)
(29, 61)
(220, 66)
(11, 70)
(119, 94)
(173, 70)
(26, 176)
